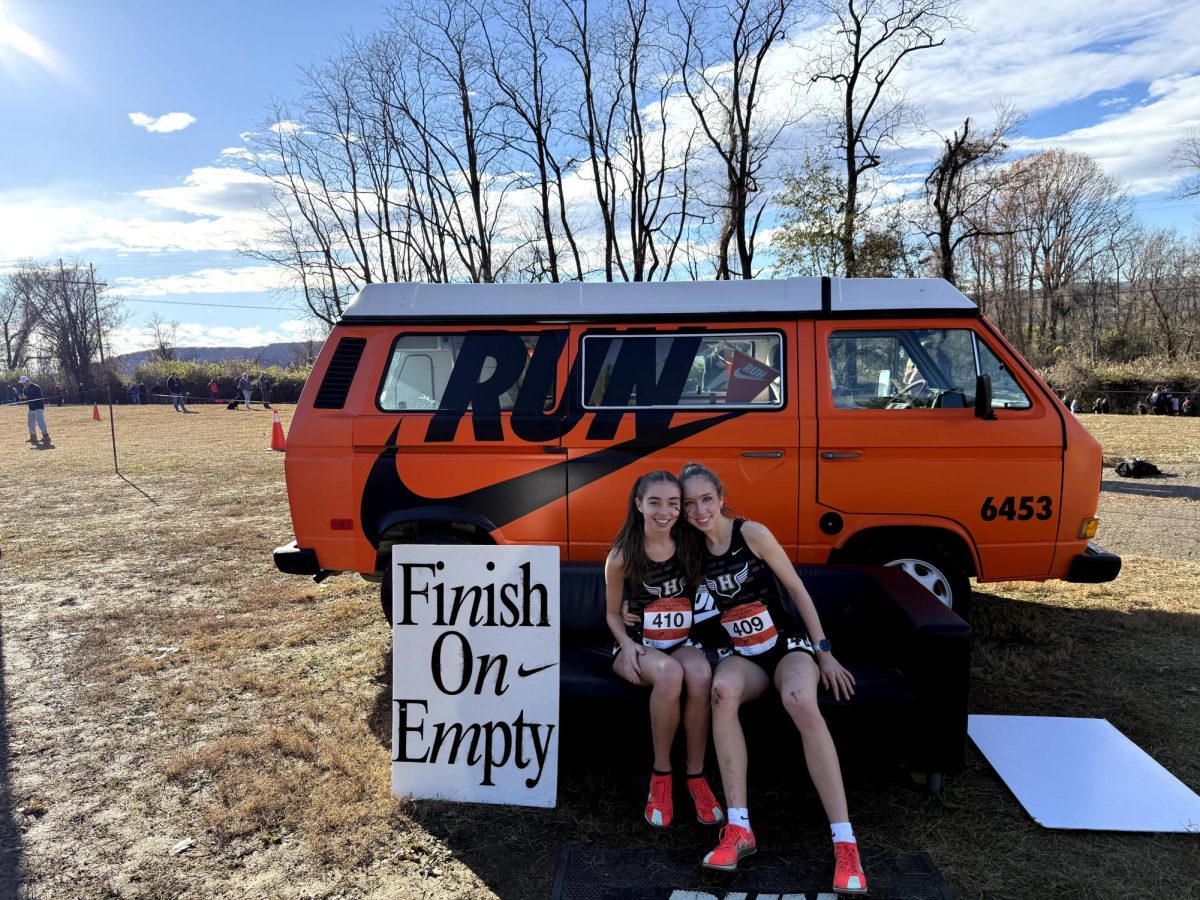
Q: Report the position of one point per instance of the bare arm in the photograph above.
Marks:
(764, 545)
(614, 590)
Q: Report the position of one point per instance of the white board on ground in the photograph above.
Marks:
(475, 673)
(1083, 774)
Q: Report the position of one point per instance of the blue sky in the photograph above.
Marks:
(88, 166)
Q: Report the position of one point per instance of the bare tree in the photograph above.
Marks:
(725, 49)
(164, 337)
(959, 186)
(75, 314)
(19, 313)
(1186, 158)
(872, 39)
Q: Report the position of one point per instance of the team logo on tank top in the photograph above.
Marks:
(728, 585)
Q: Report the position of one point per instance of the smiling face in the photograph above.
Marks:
(702, 502)
(659, 506)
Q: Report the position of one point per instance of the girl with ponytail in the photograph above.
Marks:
(654, 566)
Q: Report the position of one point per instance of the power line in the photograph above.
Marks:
(197, 303)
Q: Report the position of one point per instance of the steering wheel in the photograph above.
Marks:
(906, 394)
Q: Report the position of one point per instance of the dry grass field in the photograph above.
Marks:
(163, 684)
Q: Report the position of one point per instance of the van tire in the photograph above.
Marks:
(385, 586)
(931, 566)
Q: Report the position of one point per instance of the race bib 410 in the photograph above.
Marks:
(666, 622)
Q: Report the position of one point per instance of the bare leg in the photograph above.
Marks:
(664, 675)
(735, 682)
(697, 678)
(796, 679)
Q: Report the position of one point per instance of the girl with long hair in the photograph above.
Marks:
(654, 565)
(751, 580)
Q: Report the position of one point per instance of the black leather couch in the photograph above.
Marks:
(910, 657)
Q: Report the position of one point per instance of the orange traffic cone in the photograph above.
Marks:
(96, 412)
(277, 439)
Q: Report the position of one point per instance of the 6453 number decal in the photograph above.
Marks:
(1020, 509)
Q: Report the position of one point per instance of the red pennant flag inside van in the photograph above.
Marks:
(748, 377)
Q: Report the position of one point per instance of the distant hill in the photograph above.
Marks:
(281, 354)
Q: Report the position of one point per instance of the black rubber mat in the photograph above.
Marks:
(594, 873)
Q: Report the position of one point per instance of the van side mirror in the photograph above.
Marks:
(983, 397)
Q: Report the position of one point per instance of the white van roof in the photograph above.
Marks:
(569, 301)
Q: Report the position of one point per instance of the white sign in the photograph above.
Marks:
(475, 673)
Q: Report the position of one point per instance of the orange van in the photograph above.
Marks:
(873, 421)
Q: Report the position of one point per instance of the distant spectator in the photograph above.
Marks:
(1100, 407)
(264, 386)
(14, 396)
(175, 389)
(36, 409)
(1188, 408)
(1175, 404)
(60, 392)
(245, 387)
(137, 393)
(214, 391)
(132, 393)
(143, 397)
(1142, 408)
(1075, 406)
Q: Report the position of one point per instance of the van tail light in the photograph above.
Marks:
(341, 524)
(1087, 528)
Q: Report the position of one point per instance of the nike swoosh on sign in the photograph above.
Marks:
(525, 673)
(508, 500)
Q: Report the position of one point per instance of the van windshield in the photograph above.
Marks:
(916, 368)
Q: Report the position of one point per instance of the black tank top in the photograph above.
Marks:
(738, 578)
(674, 611)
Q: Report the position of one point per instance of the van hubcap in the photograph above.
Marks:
(929, 577)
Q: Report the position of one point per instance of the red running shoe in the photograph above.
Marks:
(736, 844)
(848, 877)
(708, 810)
(659, 807)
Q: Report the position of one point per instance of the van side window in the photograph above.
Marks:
(916, 368)
(422, 365)
(683, 371)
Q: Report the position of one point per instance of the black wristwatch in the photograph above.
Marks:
(822, 646)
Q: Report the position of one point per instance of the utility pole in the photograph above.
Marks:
(91, 283)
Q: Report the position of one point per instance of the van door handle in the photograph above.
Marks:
(829, 454)
(763, 454)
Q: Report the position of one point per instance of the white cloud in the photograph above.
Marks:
(238, 280)
(213, 191)
(132, 337)
(172, 121)
(286, 127)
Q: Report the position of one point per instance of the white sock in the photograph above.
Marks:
(842, 833)
(739, 816)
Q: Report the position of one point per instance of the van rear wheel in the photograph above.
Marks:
(933, 568)
(385, 586)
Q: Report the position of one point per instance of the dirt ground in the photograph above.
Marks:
(180, 720)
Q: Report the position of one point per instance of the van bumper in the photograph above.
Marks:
(293, 560)
(1094, 565)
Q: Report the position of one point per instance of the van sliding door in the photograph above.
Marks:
(659, 398)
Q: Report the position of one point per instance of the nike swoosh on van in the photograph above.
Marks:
(506, 501)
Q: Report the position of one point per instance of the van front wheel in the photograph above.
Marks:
(385, 586)
(933, 569)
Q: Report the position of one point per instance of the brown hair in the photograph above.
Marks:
(699, 470)
(630, 540)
